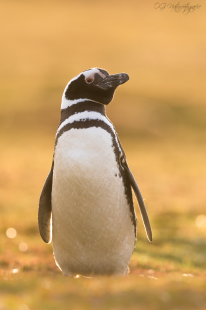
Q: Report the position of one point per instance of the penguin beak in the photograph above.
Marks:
(112, 81)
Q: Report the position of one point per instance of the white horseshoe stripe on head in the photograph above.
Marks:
(68, 103)
(88, 73)
(92, 72)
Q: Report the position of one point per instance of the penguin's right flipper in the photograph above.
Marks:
(45, 209)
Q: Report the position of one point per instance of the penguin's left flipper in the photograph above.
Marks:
(45, 209)
(140, 200)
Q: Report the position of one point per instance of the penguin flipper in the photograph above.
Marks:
(45, 209)
(140, 200)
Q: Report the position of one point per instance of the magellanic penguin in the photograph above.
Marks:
(87, 195)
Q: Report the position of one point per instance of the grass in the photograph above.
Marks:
(169, 272)
(160, 117)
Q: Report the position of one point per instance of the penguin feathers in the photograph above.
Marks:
(88, 190)
(45, 207)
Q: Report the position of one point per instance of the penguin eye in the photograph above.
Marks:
(89, 80)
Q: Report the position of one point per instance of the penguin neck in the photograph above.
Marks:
(79, 107)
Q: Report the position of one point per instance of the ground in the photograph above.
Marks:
(168, 273)
(160, 117)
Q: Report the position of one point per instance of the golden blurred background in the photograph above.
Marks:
(159, 115)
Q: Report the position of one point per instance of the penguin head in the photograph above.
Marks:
(93, 84)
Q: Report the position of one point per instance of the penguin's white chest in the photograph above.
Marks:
(92, 228)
